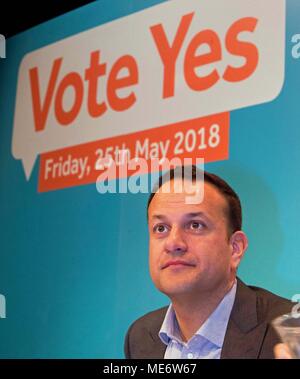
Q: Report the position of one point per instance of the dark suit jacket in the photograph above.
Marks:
(248, 334)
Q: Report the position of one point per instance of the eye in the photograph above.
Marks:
(196, 225)
(159, 228)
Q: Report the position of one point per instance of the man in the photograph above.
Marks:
(194, 252)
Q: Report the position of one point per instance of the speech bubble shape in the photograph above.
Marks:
(156, 101)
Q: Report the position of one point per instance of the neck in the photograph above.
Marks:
(193, 310)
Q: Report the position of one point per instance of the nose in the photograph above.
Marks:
(175, 242)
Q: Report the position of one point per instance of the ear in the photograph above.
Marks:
(239, 244)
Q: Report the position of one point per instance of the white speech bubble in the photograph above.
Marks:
(131, 35)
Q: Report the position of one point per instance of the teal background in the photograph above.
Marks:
(73, 263)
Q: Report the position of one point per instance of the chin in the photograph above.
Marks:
(171, 289)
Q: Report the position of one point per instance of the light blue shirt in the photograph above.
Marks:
(207, 342)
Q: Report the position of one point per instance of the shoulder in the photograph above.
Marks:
(142, 336)
(151, 321)
(268, 304)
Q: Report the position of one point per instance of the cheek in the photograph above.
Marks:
(223, 258)
(156, 246)
(154, 255)
(211, 250)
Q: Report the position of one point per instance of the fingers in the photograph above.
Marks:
(281, 351)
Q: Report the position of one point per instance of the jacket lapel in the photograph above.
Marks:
(158, 347)
(153, 346)
(244, 335)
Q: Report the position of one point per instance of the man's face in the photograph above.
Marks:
(190, 251)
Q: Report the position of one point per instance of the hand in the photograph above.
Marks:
(281, 351)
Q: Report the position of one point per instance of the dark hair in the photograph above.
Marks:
(234, 209)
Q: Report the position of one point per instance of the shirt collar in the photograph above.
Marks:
(213, 329)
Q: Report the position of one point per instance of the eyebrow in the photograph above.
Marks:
(187, 215)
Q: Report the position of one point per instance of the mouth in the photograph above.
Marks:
(177, 263)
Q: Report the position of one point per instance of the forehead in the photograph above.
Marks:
(169, 200)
